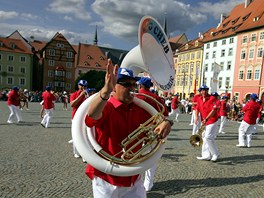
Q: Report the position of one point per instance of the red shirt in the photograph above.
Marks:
(174, 102)
(194, 100)
(152, 102)
(73, 97)
(48, 99)
(13, 98)
(117, 121)
(251, 110)
(223, 108)
(205, 106)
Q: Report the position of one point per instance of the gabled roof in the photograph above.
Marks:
(90, 56)
(38, 45)
(116, 55)
(13, 45)
(241, 18)
(177, 41)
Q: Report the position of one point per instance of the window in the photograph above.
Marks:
(243, 54)
(253, 37)
(261, 35)
(198, 55)
(22, 70)
(214, 54)
(50, 84)
(188, 56)
(207, 55)
(187, 68)
(207, 45)
(192, 56)
(230, 51)
(0, 56)
(251, 53)
(59, 45)
(68, 75)
(249, 73)
(179, 68)
(69, 54)
(227, 81)
(228, 65)
(50, 73)
(220, 81)
(68, 86)
(69, 64)
(178, 81)
(223, 42)
(257, 73)
(10, 58)
(22, 59)
(236, 96)
(222, 65)
(22, 81)
(260, 52)
(183, 68)
(244, 40)
(191, 68)
(206, 67)
(10, 68)
(52, 52)
(241, 74)
(215, 44)
(222, 53)
(10, 80)
(231, 40)
(205, 81)
(212, 67)
(51, 62)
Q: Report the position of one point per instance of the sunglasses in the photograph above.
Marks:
(127, 84)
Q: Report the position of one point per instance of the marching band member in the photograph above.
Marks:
(144, 88)
(174, 107)
(197, 125)
(115, 116)
(48, 106)
(207, 107)
(223, 114)
(13, 103)
(251, 110)
(76, 99)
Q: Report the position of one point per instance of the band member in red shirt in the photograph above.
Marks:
(76, 99)
(207, 107)
(13, 103)
(223, 114)
(251, 110)
(194, 109)
(48, 104)
(174, 107)
(115, 116)
(144, 88)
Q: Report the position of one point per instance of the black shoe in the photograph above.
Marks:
(42, 125)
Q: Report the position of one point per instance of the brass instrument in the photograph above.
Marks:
(197, 140)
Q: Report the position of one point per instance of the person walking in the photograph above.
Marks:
(48, 106)
(174, 108)
(223, 114)
(207, 107)
(246, 128)
(13, 103)
(197, 125)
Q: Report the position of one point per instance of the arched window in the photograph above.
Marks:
(257, 73)
(249, 73)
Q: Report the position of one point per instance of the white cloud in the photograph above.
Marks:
(216, 9)
(122, 18)
(67, 18)
(7, 15)
(28, 16)
(74, 7)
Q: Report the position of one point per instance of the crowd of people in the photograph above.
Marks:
(115, 100)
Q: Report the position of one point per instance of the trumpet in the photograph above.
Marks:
(197, 140)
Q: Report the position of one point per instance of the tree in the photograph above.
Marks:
(95, 79)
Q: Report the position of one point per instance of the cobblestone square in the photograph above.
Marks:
(38, 162)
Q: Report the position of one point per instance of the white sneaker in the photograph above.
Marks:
(203, 158)
(191, 124)
(9, 121)
(241, 145)
(70, 141)
(214, 158)
(76, 156)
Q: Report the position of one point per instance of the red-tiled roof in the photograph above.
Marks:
(38, 45)
(13, 45)
(91, 56)
(241, 18)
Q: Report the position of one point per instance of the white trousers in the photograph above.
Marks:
(103, 189)
(209, 147)
(175, 112)
(198, 125)
(14, 112)
(149, 177)
(245, 133)
(222, 124)
(47, 117)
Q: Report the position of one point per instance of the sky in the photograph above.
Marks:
(116, 20)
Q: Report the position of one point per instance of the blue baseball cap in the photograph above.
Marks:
(204, 87)
(90, 90)
(215, 94)
(145, 81)
(124, 73)
(199, 89)
(82, 83)
(176, 94)
(254, 96)
(48, 88)
(224, 97)
(15, 88)
(259, 101)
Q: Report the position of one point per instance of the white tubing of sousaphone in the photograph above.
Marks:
(156, 53)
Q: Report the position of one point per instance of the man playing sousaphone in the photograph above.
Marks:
(115, 116)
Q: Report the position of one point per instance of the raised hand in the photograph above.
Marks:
(110, 77)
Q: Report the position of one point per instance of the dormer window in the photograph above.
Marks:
(13, 45)
(101, 58)
(59, 45)
(86, 63)
(246, 17)
(196, 43)
(1, 44)
(234, 21)
(186, 46)
(89, 57)
(97, 65)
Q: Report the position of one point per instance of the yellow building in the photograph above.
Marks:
(188, 65)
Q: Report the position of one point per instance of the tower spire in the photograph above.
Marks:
(165, 28)
(95, 36)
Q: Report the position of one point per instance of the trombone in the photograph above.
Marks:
(197, 140)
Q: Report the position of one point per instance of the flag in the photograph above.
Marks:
(217, 69)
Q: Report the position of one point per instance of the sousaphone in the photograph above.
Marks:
(153, 55)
